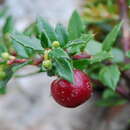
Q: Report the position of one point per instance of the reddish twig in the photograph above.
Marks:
(38, 61)
(35, 61)
(81, 56)
(15, 61)
(122, 88)
(123, 8)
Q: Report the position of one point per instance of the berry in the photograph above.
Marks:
(55, 44)
(72, 95)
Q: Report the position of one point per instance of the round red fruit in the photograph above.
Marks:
(72, 95)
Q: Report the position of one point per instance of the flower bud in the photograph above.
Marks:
(47, 64)
(5, 55)
(46, 53)
(12, 57)
(55, 44)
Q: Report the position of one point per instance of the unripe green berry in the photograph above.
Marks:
(5, 55)
(2, 75)
(47, 64)
(55, 44)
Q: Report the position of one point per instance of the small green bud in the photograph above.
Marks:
(5, 55)
(46, 53)
(47, 64)
(12, 57)
(55, 44)
(2, 75)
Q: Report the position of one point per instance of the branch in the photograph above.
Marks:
(35, 61)
(123, 8)
(122, 88)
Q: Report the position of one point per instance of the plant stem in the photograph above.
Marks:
(123, 9)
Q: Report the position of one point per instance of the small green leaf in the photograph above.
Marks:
(31, 30)
(82, 41)
(2, 48)
(93, 47)
(128, 54)
(44, 26)
(4, 82)
(9, 25)
(27, 41)
(17, 67)
(74, 43)
(118, 55)
(125, 67)
(87, 37)
(20, 49)
(64, 69)
(111, 37)
(80, 64)
(108, 93)
(61, 34)
(110, 76)
(101, 56)
(3, 87)
(45, 41)
(59, 53)
(107, 102)
(75, 27)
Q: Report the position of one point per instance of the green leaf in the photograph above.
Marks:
(125, 67)
(2, 87)
(93, 47)
(20, 49)
(27, 41)
(9, 25)
(58, 53)
(101, 56)
(61, 34)
(80, 64)
(17, 67)
(31, 30)
(64, 69)
(45, 41)
(2, 48)
(118, 55)
(111, 37)
(128, 54)
(83, 40)
(75, 43)
(44, 26)
(108, 93)
(87, 37)
(107, 102)
(75, 27)
(110, 76)
(4, 82)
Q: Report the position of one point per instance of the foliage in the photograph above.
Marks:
(57, 46)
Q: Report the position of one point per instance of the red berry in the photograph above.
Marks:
(72, 95)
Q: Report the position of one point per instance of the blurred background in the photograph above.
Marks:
(28, 105)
